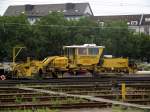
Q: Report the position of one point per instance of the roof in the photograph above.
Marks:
(84, 46)
(69, 9)
(128, 18)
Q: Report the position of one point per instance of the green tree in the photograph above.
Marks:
(49, 34)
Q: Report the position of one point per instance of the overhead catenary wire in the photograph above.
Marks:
(64, 26)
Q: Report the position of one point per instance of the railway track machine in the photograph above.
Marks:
(77, 59)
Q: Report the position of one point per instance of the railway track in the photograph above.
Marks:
(53, 106)
(19, 99)
(77, 80)
(11, 97)
(14, 98)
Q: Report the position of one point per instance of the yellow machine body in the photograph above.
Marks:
(87, 57)
(27, 69)
(90, 57)
(22, 70)
(83, 56)
(115, 64)
(55, 62)
(49, 64)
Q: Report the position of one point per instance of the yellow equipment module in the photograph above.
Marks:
(28, 69)
(22, 70)
(55, 63)
(89, 57)
(35, 67)
(84, 56)
(115, 65)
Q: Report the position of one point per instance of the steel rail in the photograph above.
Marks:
(49, 105)
(81, 80)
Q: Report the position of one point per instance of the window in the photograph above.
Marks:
(17, 12)
(128, 23)
(70, 51)
(77, 18)
(76, 10)
(101, 24)
(64, 10)
(93, 51)
(38, 19)
(147, 19)
(82, 51)
(50, 11)
(37, 12)
(134, 22)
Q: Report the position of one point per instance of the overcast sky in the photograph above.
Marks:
(99, 7)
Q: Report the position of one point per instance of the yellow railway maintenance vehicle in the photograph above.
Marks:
(49, 66)
(89, 58)
(83, 58)
(76, 60)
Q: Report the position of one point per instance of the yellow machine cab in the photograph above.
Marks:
(87, 54)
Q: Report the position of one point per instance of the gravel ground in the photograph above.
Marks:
(88, 110)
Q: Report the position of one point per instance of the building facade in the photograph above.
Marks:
(138, 23)
(34, 12)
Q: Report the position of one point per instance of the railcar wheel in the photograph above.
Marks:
(40, 73)
(15, 74)
(9, 75)
(54, 75)
(95, 74)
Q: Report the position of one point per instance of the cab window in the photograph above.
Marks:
(82, 51)
(93, 51)
(69, 51)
